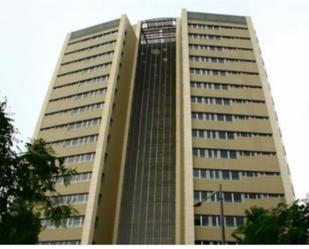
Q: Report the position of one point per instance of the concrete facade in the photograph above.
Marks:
(211, 85)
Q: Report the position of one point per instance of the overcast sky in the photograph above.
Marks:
(33, 31)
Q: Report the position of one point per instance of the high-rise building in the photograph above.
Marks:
(154, 117)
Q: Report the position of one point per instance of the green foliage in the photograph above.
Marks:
(281, 225)
(25, 180)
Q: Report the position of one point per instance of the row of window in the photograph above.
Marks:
(77, 159)
(223, 117)
(85, 82)
(76, 178)
(214, 220)
(228, 175)
(217, 48)
(212, 72)
(214, 27)
(213, 242)
(60, 242)
(91, 58)
(218, 60)
(233, 197)
(96, 37)
(70, 199)
(83, 95)
(94, 47)
(226, 135)
(71, 222)
(222, 101)
(216, 37)
(76, 110)
(76, 141)
(219, 86)
(227, 154)
(87, 70)
(76, 125)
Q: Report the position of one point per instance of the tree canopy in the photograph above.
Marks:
(27, 180)
(281, 225)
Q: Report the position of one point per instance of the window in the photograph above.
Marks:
(197, 220)
(235, 175)
(239, 221)
(229, 220)
(237, 197)
(224, 154)
(227, 197)
(205, 221)
(225, 175)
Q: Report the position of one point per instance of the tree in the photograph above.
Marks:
(25, 179)
(281, 225)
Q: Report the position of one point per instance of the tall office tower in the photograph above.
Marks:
(156, 116)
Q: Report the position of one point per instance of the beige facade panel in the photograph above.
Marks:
(238, 209)
(224, 43)
(235, 93)
(260, 163)
(213, 234)
(223, 24)
(230, 66)
(87, 53)
(68, 68)
(262, 184)
(253, 144)
(89, 43)
(76, 89)
(55, 135)
(239, 125)
(53, 120)
(61, 234)
(75, 188)
(242, 109)
(59, 134)
(78, 77)
(222, 32)
(71, 50)
(63, 152)
(243, 79)
(59, 105)
(234, 54)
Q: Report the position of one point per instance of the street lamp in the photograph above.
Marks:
(220, 195)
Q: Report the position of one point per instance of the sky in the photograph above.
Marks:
(33, 31)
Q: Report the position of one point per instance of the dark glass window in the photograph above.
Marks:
(195, 152)
(225, 175)
(227, 197)
(228, 118)
(229, 221)
(205, 220)
(224, 154)
(233, 155)
(240, 221)
(235, 175)
(194, 133)
(221, 134)
(197, 221)
(220, 117)
(196, 196)
(237, 197)
(226, 101)
(203, 173)
(196, 173)
(230, 135)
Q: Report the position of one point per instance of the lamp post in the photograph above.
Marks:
(220, 196)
